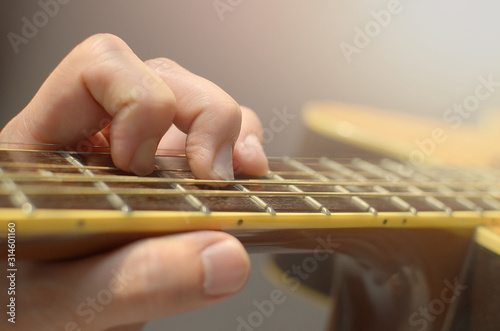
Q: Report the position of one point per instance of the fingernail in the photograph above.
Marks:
(143, 161)
(225, 268)
(223, 163)
(253, 146)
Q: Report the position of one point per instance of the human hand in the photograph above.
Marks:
(100, 82)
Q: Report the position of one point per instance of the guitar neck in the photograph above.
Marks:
(52, 192)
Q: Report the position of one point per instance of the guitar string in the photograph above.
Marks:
(27, 176)
(400, 203)
(431, 199)
(114, 199)
(53, 191)
(469, 204)
(310, 200)
(330, 164)
(16, 195)
(25, 165)
(191, 199)
(464, 186)
(257, 200)
(35, 190)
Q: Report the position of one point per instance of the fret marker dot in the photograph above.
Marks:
(385, 222)
(240, 222)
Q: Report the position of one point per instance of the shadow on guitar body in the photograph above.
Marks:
(403, 280)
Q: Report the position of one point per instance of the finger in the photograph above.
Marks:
(146, 280)
(100, 80)
(249, 156)
(174, 139)
(208, 115)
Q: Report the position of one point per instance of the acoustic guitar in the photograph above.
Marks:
(415, 247)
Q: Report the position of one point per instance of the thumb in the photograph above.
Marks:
(155, 278)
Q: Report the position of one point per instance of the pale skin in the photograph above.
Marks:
(103, 81)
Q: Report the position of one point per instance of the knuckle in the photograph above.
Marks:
(233, 110)
(161, 64)
(103, 43)
(98, 50)
(220, 111)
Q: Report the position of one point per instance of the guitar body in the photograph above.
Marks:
(415, 280)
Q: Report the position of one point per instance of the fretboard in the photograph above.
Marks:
(51, 192)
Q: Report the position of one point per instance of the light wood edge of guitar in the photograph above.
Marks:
(52, 222)
(315, 117)
(395, 134)
(274, 274)
(489, 238)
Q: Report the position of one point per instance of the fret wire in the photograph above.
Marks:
(17, 196)
(311, 201)
(488, 177)
(191, 199)
(337, 187)
(495, 204)
(447, 190)
(335, 166)
(394, 199)
(356, 176)
(114, 199)
(258, 201)
(411, 188)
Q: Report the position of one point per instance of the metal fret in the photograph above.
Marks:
(394, 199)
(447, 190)
(112, 197)
(17, 196)
(492, 177)
(487, 177)
(311, 201)
(339, 188)
(258, 201)
(376, 170)
(194, 201)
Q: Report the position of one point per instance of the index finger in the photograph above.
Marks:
(100, 79)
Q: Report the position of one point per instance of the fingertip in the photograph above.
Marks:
(250, 156)
(226, 268)
(142, 163)
(222, 167)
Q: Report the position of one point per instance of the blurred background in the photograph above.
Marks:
(274, 56)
